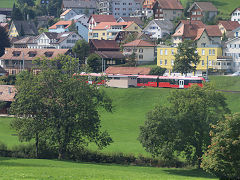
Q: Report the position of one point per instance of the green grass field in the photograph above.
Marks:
(130, 108)
(6, 3)
(52, 169)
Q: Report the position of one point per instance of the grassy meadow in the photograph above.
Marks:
(6, 3)
(52, 169)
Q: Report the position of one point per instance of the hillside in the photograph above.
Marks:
(224, 7)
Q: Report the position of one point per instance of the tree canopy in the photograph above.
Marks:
(186, 58)
(159, 71)
(94, 62)
(81, 49)
(58, 108)
(184, 125)
(222, 157)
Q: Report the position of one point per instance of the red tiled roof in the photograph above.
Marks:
(170, 4)
(199, 23)
(9, 53)
(213, 30)
(139, 43)
(65, 23)
(229, 25)
(128, 70)
(104, 44)
(149, 3)
(7, 93)
(102, 18)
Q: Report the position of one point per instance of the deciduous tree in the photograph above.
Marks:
(81, 50)
(4, 40)
(59, 108)
(184, 125)
(222, 157)
(186, 58)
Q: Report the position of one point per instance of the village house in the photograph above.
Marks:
(81, 18)
(22, 28)
(200, 10)
(86, 7)
(143, 50)
(123, 8)
(232, 48)
(203, 35)
(158, 28)
(109, 30)
(60, 26)
(7, 95)
(227, 27)
(137, 20)
(16, 60)
(108, 50)
(95, 19)
(162, 9)
(208, 57)
(235, 15)
(68, 14)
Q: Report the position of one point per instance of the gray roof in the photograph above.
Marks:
(28, 27)
(164, 24)
(204, 6)
(137, 20)
(79, 4)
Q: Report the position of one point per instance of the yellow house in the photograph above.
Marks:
(165, 57)
(109, 30)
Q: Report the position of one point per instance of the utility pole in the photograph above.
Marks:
(207, 70)
(23, 62)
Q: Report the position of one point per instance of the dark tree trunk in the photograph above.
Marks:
(36, 145)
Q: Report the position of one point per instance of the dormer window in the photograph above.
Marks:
(16, 53)
(48, 54)
(32, 53)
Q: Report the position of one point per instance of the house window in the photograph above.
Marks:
(140, 56)
(210, 63)
(165, 51)
(203, 52)
(172, 52)
(160, 62)
(95, 34)
(103, 34)
(213, 51)
(198, 13)
(202, 62)
(210, 52)
(141, 50)
(165, 62)
(172, 62)
(161, 52)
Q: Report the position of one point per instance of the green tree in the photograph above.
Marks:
(222, 157)
(8, 80)
(131, 60)
(94, 62)
(159, 71)
(4, 40)
(184, 125)
(81, 49)
(73, 27)
(187, 58)
(59, 108)
(16, 13)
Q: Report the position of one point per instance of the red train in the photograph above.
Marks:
(151, 80)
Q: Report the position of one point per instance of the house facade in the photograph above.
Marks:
(227, 26)
(162, 9)
(16, 60)
(158, 28)
(235, 15)
(95, 19)
(68, 14)
(86, 7)
(232, 48)
(143, 50)
(200, 10)
(208, 57)
(109, 30)
(123, 8)
(60, 27)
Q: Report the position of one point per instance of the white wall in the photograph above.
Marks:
(236, 16)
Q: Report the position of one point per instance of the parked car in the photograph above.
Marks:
(236, 73)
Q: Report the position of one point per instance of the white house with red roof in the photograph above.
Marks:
(95, 19)
(60, 26)
(143, 50)
(235, 15)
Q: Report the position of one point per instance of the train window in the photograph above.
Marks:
(173, 81)
(117, 78)
(186, 82)
(163, 80)
(196, 81)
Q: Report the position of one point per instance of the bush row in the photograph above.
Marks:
(28, 151)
